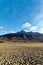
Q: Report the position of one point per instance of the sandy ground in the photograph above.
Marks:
(19, 44)
(20, 53)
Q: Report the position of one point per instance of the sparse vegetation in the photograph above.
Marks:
(20, 55)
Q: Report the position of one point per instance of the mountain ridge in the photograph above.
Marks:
(23, 36)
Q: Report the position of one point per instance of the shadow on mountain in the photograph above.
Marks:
(23, 37)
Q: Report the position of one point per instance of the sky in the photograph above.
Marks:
(17, 15)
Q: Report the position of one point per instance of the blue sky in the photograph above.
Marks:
(16, 15)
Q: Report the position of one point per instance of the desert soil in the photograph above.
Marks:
(21, 53)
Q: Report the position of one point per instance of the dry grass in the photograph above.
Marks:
(21, 53)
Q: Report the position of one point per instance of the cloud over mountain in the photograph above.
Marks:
(1, 28)
(26, 25)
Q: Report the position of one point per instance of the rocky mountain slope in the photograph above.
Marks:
(23, 36)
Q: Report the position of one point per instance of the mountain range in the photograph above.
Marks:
(22, 36)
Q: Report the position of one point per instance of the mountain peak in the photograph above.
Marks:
(23, 31)
(23, 35)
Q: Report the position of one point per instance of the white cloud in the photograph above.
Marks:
(39, 17)
(12, 31)
(33, 28)
(1, 28)
(41, 30)
(38, 20)
(40, 24)
(26, 25)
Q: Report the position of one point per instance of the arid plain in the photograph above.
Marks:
(20, 53)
